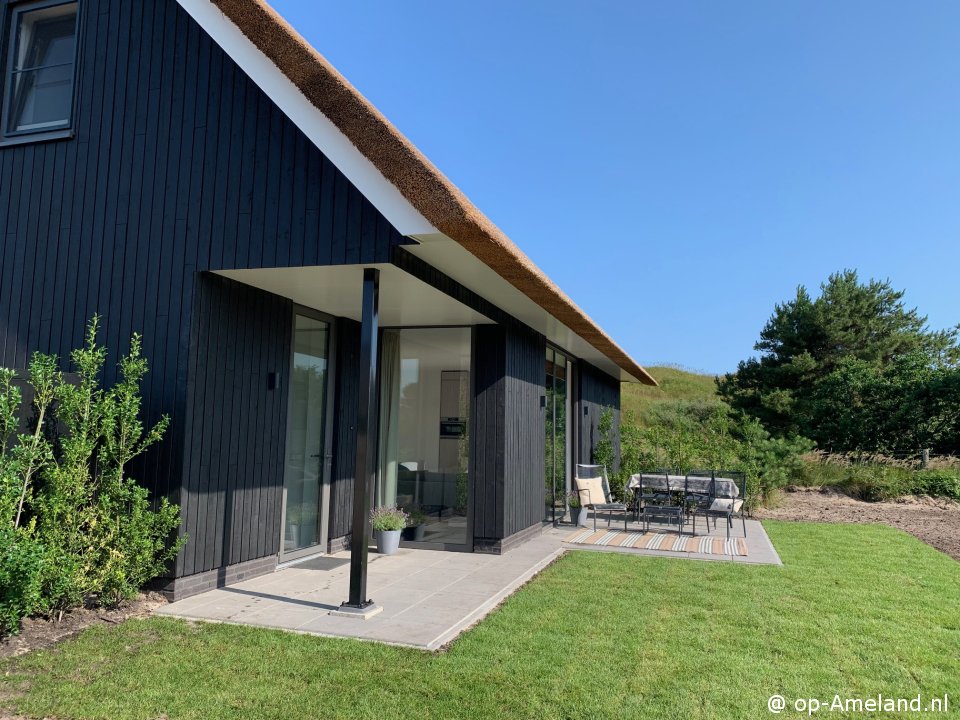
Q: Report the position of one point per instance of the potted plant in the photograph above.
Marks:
(578, 513)
(416, 525)
(294, 521)
(387, 523)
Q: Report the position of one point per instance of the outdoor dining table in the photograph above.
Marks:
(722, 487)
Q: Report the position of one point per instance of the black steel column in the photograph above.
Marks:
(366, 440)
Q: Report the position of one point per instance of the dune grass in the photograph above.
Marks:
(675, 384)
(856, 610)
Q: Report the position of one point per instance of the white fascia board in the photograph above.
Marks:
(313, 123)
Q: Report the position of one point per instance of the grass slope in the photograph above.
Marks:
(675, 384)
(856, 610)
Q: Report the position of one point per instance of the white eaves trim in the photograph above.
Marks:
(314, 124)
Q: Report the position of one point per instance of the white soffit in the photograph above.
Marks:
(337, 290)
(314, 124)
(451, 258)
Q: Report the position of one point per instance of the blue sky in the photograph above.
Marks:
(679, 167)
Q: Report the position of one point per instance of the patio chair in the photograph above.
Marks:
(694, 497)
(651, 494)
(657, 500)
(723, 502)
(593, 486)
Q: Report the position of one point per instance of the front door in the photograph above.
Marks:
(308, 452)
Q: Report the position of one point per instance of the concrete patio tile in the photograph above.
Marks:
(424, 583)
(284, 617)
(463, 593)
(425, 594)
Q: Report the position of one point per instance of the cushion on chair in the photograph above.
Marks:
(726, 505)
(591, 491)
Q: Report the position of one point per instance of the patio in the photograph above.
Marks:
(429, 597)
(758, 548)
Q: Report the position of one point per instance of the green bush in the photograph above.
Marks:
(937, 483)
(877, 479)
(21, 563)
(681, 436)
(81, 529)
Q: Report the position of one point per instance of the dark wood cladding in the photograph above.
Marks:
(487, 433)
(235, 427)
(524, 430)
(179, 164)
(345, 427)
(597, 391)
(508, 431)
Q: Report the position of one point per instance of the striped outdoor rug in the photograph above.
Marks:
(660, 541)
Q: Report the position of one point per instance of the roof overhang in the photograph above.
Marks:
(405, 301)
(411, 193)
(452, 259)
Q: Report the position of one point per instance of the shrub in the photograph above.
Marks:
(21, 561)
(937, 483)
(681, 436)
(76, 527)
(877, 478)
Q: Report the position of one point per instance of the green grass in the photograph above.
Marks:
(856, 610)
(675, 384)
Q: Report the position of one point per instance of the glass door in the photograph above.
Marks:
(308, 454)
(557, 445)
(424, 437)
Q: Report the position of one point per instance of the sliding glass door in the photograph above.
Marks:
(424, 437)
(557, 448)
(308, 452)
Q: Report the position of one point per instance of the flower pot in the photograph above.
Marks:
(414, 533)
(388, 541)
(578, 516)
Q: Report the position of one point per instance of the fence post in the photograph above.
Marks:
(924, 458)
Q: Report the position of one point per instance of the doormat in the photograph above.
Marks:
(660, 541)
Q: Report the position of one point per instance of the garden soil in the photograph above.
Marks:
(935, 521)
(39, 633)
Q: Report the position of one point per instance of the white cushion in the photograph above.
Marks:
(726, 505)
(591, 491)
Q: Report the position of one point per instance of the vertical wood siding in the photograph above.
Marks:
(488, 429)
(525, 430)
(179, 164)
(508, 431)
(235, 425)
(597, 391)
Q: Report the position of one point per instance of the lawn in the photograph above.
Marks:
(856, 610)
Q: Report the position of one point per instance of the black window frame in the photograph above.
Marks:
(15, 10)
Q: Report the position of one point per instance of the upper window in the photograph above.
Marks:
(38, 97)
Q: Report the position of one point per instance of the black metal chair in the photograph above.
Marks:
(606, 503)
(651, 494)
(695, 498)
(724, 503)
(657, 500)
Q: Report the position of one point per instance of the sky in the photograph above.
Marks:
(678, 167)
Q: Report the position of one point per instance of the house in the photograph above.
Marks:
(312, 291)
